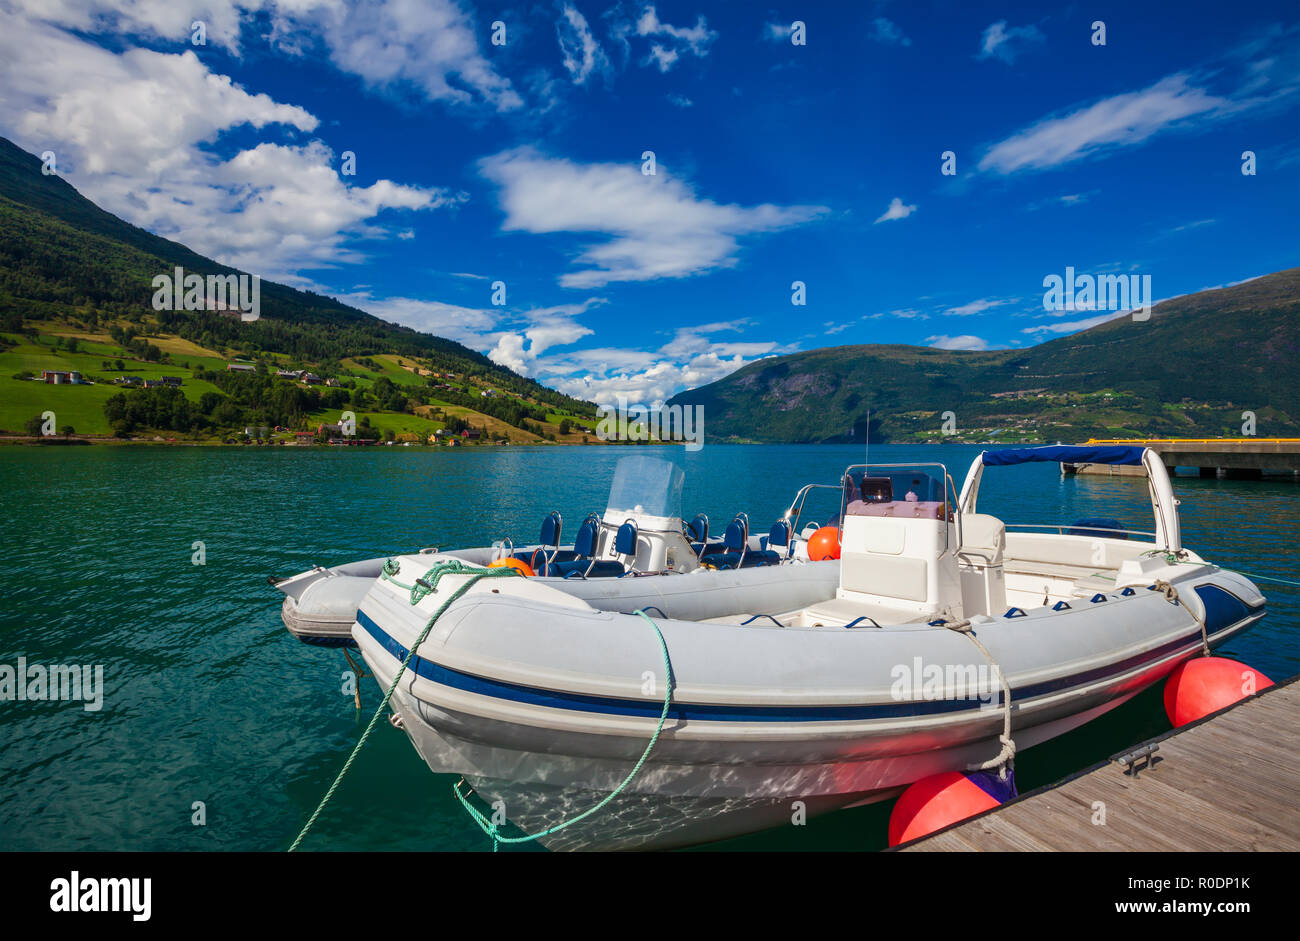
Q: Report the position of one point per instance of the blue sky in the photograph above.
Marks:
(774, 162)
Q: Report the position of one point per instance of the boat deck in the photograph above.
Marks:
(1228, 782)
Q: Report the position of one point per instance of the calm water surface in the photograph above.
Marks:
(209, 699)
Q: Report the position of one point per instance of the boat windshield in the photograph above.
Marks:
(646, 486)
(896, 490)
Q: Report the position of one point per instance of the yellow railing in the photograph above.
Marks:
(1193, 441)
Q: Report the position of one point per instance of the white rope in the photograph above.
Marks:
(1006, 757)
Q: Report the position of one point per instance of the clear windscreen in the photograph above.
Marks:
(646, 486)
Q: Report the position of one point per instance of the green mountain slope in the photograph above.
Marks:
(1191, 370)
(59, 251)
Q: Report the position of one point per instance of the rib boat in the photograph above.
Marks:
(632, 556)
(951, 640)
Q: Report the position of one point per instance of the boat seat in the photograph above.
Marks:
(737, 553)
(548, 543)
(983, 579)
(697, 533)
(584, 564)
(776, 545)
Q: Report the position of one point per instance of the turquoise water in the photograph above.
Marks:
(209, 699)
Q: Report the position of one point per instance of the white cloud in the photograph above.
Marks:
(133, 131)
(1119, 121)
(467, 325)
(583, 55)
(656, 226)
(430, 45)
(777, 32)
(681, 101)
(974, 307)
(897, 210)
(668, 43)
(964, 342)
(888, 32)
(1004, 44)
(1073, 325)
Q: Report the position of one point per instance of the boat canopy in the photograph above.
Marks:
(1164, 506)
(1065, 453)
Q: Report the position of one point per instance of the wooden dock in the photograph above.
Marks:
(1228, 782)
(1212, 457)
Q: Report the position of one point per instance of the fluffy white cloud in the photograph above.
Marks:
(467, 325)
(656, 226)
(429, 45)
(897, 210)
(1122, 120)
(131, 130)
(964, 342)
(999, 42)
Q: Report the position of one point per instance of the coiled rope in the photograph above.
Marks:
(491, 829)
(1005, 759)
(423, 586)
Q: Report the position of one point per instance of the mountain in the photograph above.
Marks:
(58, 250)
(1192, 369)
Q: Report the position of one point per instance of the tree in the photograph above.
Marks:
(565, 426)
(33, 426)
(68, 431)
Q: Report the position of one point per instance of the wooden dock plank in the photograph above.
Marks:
(1229, 783)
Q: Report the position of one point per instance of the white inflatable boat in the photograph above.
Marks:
(612, 560)
(545, 702)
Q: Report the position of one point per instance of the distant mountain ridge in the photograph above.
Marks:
(1192, 369)
(59, 250)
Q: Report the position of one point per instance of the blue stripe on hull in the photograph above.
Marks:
(530, 695)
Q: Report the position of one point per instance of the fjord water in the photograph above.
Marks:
(209, 699)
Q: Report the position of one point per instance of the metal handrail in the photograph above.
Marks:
(792, 514)
(1062, 527)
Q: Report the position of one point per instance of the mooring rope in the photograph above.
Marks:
(1171, 595)
(1171, 558)
(1005, 759)
(425, 586)
(490, 828)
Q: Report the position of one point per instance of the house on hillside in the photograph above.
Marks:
(171, 380)
(240, 367)
(330, 431)
(471, 433)
(311, 379)
(56, 377)
(304, 437)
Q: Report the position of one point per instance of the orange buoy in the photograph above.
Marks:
(1207, 684)
(824, 544)
(943, 799)
(523, 568)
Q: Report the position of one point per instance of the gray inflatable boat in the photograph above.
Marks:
(638, 554)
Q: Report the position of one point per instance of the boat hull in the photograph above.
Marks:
(545, 705)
